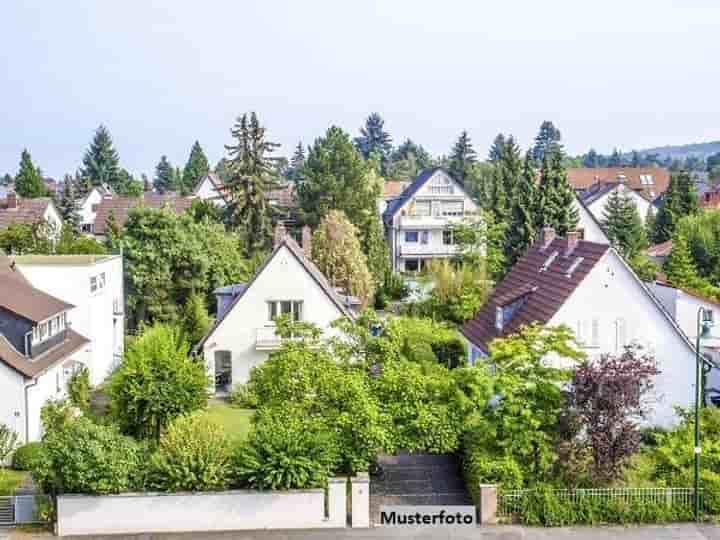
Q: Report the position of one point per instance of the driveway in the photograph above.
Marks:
(666, 532)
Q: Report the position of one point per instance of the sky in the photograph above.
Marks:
(161, 74)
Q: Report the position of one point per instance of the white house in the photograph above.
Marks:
(94, 285)
(287, 283)
(211, 188)
(418, 222)
(39, 350)
(18, 210)
(89, 205)
(589, 227)
(595, 199)
(588, 287)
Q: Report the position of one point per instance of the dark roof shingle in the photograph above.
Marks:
(33, 367)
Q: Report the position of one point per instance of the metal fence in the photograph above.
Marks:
(20, 509)
(512, 502)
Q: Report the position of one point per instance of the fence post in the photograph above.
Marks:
(487, 509)
(337, 501)
(360, 496)
(668, 497)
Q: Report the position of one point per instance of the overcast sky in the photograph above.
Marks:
(160, 74)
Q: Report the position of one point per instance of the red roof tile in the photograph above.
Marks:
(120, 206)
(584, 177)
(27, 211)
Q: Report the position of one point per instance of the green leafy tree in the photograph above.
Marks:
(623, 225)
(156, 383)
(521, 230)
(25, 239)
(296, 172)
(374, 141)
(196, 168)
(462, 157)
(195, 319)
(250, 177)
(71, 243)
(8, 443)
(547, 141)
(101, 163)
(164, 176)
(28, 181)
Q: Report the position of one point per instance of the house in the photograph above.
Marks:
(119, 207)
(89, 205)
(287, 283)
(94, 285)
(17, 210)
(39, 350)
(284, 202)
(710, 200)
(660, 252)
(418, 224)
(589, 226)
(392, 189)
(596, 198)
(211, 188)
(651, 181)
(589, 287)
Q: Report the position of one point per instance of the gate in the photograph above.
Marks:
(20, 509)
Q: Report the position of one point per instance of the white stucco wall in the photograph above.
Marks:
(184, 512)
(53, 218)
(207, 192)
(87, 215)
(598, 206)
(12, 399)
(610, 298)
(283, 278)
(93, 315)
(591, 229)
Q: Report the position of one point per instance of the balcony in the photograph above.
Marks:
(266, 339)
(437, 221)
(427, 250)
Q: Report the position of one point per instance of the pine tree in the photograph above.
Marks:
(591, 159)
(101, 162)
(112, 228)
(147, 185)
(650, 218)
(374, 141)
(296, 172)
(250, 177)
(679, 200)
(197, 167)
(28, 181)
(496, 150)
(521, 230)
(547, 141)
(68, 204)
(164, 176)
(6, 180)
(615, 159)
(623, 225)
(556, 198)
(462, 157)
(679, 267)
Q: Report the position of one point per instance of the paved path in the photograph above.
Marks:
(666, 532)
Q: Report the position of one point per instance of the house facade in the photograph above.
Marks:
(652, 182)
(589, 226)
(89, 205)
(39, 351)
(17, 210)
(94, 285)
(211, 188)
(588, 287)
(244, 334)
(418, 223)
(596, 198)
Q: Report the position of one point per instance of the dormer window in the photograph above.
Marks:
(51, 327)
(549, 261)
(499, 318)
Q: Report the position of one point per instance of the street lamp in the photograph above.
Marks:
(705, 321)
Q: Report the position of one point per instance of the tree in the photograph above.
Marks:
(462, 157)
(497, 148)
(156, 383)
(409, 150)
(680, 267)
(8, 443)
(68, 204)
(196, 168)
(250, 177)
(680, 199)
(195, 319)
(623, 225)
(25, 239)
(337, 253)
(164, 176)
(555, 206)
(616, 159)
(547, 141)
(374, 141)
(6, 180)
(296, 172)
(28, 181)
(521, 230)
(101, 163)
(609, 397)
(591, 159)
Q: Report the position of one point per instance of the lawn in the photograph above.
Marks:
(234, 420)
(10, 480)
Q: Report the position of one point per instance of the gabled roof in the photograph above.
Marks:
(585, 177)
(216, 182)
(284, 196)
(35, 366)
(27, 211)
(545, 290)
(120, 206)
(418, 182)
(660, 250)
(596, 191)
(307, 265)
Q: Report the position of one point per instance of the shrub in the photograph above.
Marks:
(79, 389)
(27, 456)
(450, 352)
(8, 442)
(287, 450)
(244, 396)
(84, 457)
(193, 455)
(481, 468)
(56, 413)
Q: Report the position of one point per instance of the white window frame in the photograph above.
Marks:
(275, 309)
(417, 237)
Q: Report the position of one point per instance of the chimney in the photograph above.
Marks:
(307, 241)
(547, 235)
(571, 241)
(12, 199)
(280, 234)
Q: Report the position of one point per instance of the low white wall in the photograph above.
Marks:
(135, 513)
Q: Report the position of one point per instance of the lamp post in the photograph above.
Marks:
(704, 323)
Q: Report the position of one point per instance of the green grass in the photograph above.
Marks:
(10, 480)
(234, 420)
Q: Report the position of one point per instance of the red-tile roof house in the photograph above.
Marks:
(120, 206)
(18, 210)
(652, 181)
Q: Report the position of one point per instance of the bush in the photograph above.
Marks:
(27, 457)
(79, 389)
(287, 450)
(56, 413)
(194, 455)
(244, 396)
(450, 352)
(8, 442)
(84, 457)
(481, 468)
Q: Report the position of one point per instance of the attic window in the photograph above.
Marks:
(646, 179)
(549, 261)
(574, 266)
(499, 319)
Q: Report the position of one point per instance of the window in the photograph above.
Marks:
(448, 237)
(414, 265)
(411, 236)
(101, 280)
(424, 237)
(499, 319)
(43, 331)
(285, 307)
(647, 179)
(93, 284)
(452, 208)
(422, 208)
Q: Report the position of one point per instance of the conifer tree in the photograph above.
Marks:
(147, 185)
(297, 165)
(496, 150)
(679, 267)
(547, 141)
(374, 141)
(556, 198)
(101, 162)
(462, 157)
(650, 218)
(164, 176)
(68, 204)
(680, 199)
(521, 230)
(28, 181)
(623, 225)
(197, 167)
(250, 177)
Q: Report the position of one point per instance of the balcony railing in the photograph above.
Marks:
(428, 250)
(436, 220)
(266, 339)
